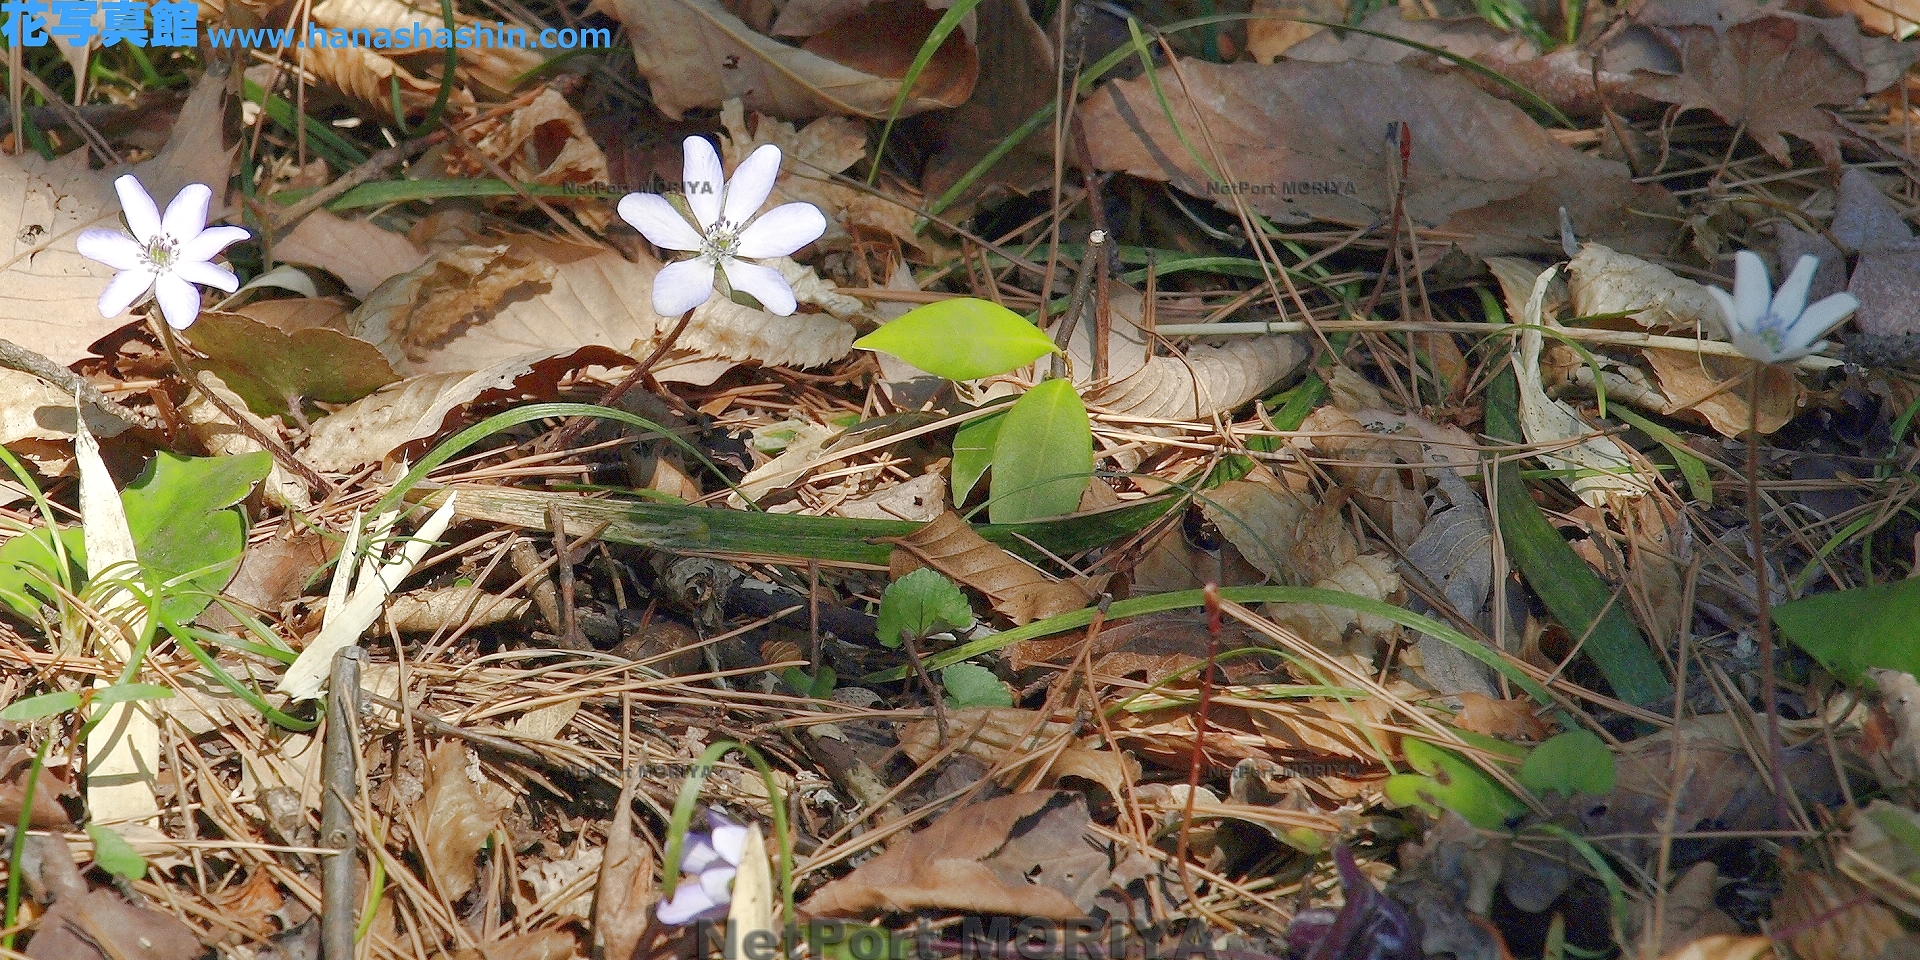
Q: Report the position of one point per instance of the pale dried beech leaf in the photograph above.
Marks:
(677, 43)
(1285, 535)
(33, 409)
(544, 143)
(994, 735)
(948, 544)
(1834, 917)
(597, 297)
(367, 78)
(551, 880)
(1384, 491)
(1277, 26)
(1455, 553)
(1598, 469)
(1603, 281)
(1210, 379)
(827, 146)
(1770, 72)
(368, 429)
(1341, 630)
(1687, 377)
(494, 67)
(456, 817)
(444, 608)
(1322, 727)
(357, 251)
(1024, 854)
(1314, 135)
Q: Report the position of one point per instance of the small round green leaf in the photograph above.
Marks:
(972, 685)
(1577, 761)
(921, 603)
(963, 339)
(1448, 781)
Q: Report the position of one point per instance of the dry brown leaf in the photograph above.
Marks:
(1016, 79)
(598, 298)
(33, 409)
(1770, 72)
(1269, 38)
(625, 894)
(1834, 918)
(993, 735)
(456, 816)
(1686, 377)
(252, 904)
(361, 254)
(545, 143)
(1207, 380)
(1725, 947)
(1340, 630)
(1309, 729)
(368, 429)
(827, 146)
(677, 45)
(986, 858)
(367, 78)
(494, 66)
(1384, 492)
(103, 925)
(15, 766)
(215, 431)
(1879, 16)
(557, 944)
(411, 314)
(1506, 719)
(950, 545)
(1315, 137)
(1284, 534)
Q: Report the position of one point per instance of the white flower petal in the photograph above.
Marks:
(143, 217)
(207, 275)
(1728, 309)
(681, 286)
(781, 231)
(752, 184)
(1791, 301)
(690, 901)
(187, 214)
(704, 180)
(697, 855)
(718, 883)
(179, 300)
(125, 287)
(209, 243)
(658, 221)
(1821, 318)
(111, 247)
(764, 283)
(731, 840)
(1752, 290)
(1754, 348)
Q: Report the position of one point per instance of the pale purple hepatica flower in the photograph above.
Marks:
(1776, 327)
(726, 233)
(707, 865)
(167, 255)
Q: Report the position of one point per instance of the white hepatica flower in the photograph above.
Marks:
(1777, 327)
(167, 255)
(728, 234)
(708, 863)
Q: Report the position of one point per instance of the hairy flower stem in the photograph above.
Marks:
(1769, 685)
(570, 431)
(320, 486)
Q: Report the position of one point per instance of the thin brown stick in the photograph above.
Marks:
(340, 906)
(316, 483)
(16, 357)
(572, 429)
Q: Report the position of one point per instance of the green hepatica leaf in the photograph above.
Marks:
(963, 339)
(973, 453)
(972, 685)
(1043, 457)
(1577, 761)
(181, 512)
(29, 568)
(1852, 631)
(112, 853)
(921, 603)
(1447, 781)
(269, 367)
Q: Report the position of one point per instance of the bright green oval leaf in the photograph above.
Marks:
(921, 603)
(1577, 761)
(29, 568)
(1853, 631)
(972, 685)
(973, 453)
(179, 511)
(963, 339)
(1043, 457)
(44, 705)
(112, 853)
(1447, 781)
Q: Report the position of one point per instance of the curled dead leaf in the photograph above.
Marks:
(950, 545)
(1285, 534)
(545, 143)
(456, 818)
